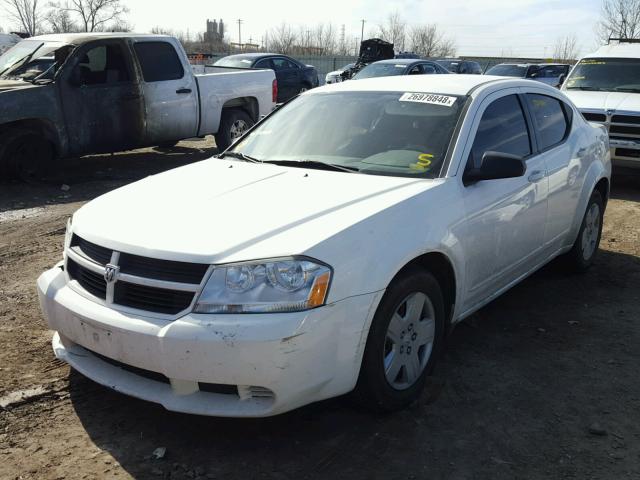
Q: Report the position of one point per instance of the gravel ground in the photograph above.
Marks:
(541, 383)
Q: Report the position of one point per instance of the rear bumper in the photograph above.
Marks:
(272, 363)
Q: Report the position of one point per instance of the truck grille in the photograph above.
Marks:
(595, 117)
(620, 127)
(142, 283)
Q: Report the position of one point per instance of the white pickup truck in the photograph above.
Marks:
(74, 94)
(605, 86)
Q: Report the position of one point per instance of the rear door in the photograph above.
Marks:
(101, 99)
(289, 78)
(504, 232)
(170, 92)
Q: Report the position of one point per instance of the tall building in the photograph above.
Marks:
(214, 32)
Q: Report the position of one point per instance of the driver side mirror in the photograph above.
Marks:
(561, 80)
(496, 165)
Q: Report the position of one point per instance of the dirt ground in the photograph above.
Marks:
(542, 383)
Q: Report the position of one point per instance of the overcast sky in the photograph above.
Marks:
(479, 27)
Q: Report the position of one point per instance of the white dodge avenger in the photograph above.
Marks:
(331, 249)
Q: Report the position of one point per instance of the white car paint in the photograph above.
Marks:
(609, 104)
(366, 227)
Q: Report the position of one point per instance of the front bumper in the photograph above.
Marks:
(625, 153)
(271, 363)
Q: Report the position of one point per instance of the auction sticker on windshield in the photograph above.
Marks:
(428, 98)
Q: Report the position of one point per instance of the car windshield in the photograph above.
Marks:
(236, 62)
(381, 70)
(606, 74)
(27, 55)
(508, 71)
(380, 133)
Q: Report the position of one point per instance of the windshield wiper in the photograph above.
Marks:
(586, 88)
(313, 164)
(239, 156)
(630, 90)
(21, 61)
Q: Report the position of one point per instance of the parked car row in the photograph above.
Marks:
(553, 74)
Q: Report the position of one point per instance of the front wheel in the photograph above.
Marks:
(584, 250)
(26, 155)
(233, 125)
(404, 342)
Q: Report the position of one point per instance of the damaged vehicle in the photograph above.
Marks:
(73, 94)
(331, 249)
(371, 50)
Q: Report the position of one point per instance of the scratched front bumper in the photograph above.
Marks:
(300, 357)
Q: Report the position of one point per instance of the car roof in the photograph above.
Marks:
(256, 55)
(77, 38)
(402, 61)
(617, 50)
(439, 84)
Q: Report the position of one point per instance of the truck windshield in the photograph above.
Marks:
(28, 55)
(606, 74)
(508, 71)
(380, 133)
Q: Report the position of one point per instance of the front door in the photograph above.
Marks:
(289, 78)
(102, 102)
(504, 232)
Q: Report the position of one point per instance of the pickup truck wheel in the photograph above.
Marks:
(404, 342)
(585, 248)
(233, 125)
(26, 155)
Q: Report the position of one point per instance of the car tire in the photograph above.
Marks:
(585, 248)
(26, 155)
(233, 125)
(395, 363)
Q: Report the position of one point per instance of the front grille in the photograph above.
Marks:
(626, 119)
(595, 117)
(92, 282)
(131, 289)
(624, 130)
(151, 299)
(167, 270)
(90, 250)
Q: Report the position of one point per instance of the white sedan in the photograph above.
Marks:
(331, 249)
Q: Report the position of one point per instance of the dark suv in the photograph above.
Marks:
(455, 65)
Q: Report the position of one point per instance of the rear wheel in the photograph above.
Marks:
(233, 125)
(26, 155)
(404, 342)
(585, 248)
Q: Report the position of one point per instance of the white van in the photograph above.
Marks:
(605, 86)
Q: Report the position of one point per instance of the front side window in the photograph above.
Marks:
(502, 129)
(159, 61)
(283, 64)
(100, 65)
(606, 74)
(264, 63)
(379, 133)
(551, 122)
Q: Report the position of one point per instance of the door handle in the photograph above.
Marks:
(536, 176)
(183, 90)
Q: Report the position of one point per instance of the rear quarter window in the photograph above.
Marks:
(159, 61)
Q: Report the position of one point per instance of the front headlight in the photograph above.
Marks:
(279, 285)
(67, 233)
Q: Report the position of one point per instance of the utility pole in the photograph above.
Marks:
(362, 31)
(239, 34)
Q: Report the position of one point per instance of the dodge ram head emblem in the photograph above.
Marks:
(110, 273)
(610, 112)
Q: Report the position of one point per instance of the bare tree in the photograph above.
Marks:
(27, 14)
(619, 18)
(566, 48)
(60, 21)
(324, 38)
(95, 15)
(394, 30)
(281, 39)
(427, 41)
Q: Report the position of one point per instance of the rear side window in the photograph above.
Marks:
(551, 120)
(159, 61)
(502, 129)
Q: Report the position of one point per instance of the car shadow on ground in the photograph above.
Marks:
(80, 179)
(524, 380)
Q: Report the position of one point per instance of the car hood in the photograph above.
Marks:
(219, 211)
(617, 101)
